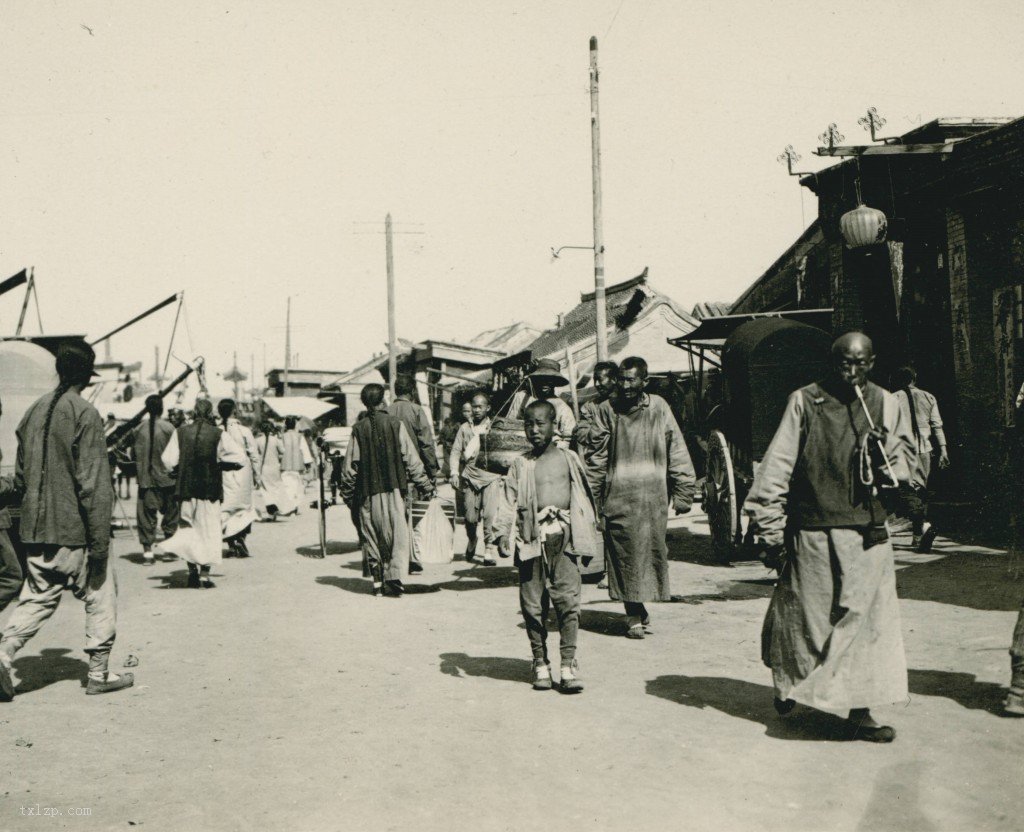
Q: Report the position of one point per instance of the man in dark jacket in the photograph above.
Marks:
(157, 492)
(64, 476)
(380, 462)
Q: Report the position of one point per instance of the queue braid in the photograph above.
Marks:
(58, 394)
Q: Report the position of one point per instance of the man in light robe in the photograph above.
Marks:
(832, 634)
(273, 498)
(237, 511)
(540, 387)
(157, 489)
(380, 463)
(199, 452)
(640, 462)
(480, 489)
(297, 458)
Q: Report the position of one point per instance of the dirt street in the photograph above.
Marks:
(289, 698)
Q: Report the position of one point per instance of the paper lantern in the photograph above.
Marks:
(863, 226)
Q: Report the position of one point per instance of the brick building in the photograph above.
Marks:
(943, 292)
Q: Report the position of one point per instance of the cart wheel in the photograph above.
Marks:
(720, 499)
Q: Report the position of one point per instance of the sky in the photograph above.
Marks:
(248, 152)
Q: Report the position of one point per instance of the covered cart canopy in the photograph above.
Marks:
(712, 333)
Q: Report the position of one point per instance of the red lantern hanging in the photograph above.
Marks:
(863, 226)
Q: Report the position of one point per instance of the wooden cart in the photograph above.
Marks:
(746, 366)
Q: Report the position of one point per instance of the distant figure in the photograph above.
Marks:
(199, 452)
(381, 461)
(547, 518)
(588, 431)
(10, 567)
(921, 412)
(481, 490)
(297, 458)
(416, 423)
(540, 386)
(157, 488)
(276, 497)
(176, 416)
(237, 512)
(641, 461)
(832, 634)
(449, 431)
(63, 474)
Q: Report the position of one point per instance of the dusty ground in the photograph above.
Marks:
(288, 698)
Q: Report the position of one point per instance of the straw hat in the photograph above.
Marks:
(548, 370)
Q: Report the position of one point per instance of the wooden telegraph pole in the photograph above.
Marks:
(595, 149)
(392, 346)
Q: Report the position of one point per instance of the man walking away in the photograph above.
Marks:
(199, 452)
(63, 474)
(641, 461)
(921, 412)
(832, 634)
(380, 462)
(237, 512)
(297, 458)
(156, 485)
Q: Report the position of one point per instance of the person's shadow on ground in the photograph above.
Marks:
(158, 557)
(334, 547)
(51, 665)
(178, 579)
(481, 577)
(962, 688)
(358, 586)
(750, 701)
(500, 668)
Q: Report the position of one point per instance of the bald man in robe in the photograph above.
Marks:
(832, 634)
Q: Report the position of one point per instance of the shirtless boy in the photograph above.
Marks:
(548, 520)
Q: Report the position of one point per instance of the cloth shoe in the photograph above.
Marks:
(108, 685)
(924, 543)
(147, 557)
(541, 675)
(634, 627)
(569, 680)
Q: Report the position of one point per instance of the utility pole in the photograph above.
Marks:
(392, 346)
(287, 344)
(252, 377)
(595, 152)
(156, 369)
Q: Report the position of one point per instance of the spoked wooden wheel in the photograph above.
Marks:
(720, 499)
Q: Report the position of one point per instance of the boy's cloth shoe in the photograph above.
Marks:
(541, 676)
(570, 681)
(635, 628)
(147, 557)
(1014, 703)
(125, 680)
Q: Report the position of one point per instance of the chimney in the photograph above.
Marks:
(560, 321)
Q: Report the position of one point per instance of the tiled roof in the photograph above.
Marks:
(710, 309)
(624, 302)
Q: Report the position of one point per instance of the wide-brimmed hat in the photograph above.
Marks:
(550, 371)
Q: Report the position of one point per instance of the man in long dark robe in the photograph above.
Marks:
(640, 461)
(832, 634)
(380, 462)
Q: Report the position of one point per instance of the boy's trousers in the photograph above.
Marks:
(559, 571)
